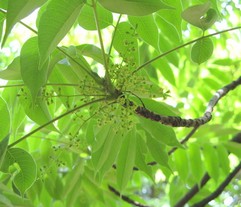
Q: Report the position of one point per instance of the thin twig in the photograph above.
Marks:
(196, 188)
(183, 45)
(220, 188)
(176, 121)
(126, 198)
(55, 119)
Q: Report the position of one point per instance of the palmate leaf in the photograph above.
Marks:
(134, 7)
(27, 173)
(17, 10)
(54, 23)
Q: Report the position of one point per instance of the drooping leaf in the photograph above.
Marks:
(12, 72)
(86, 18)
(224, 160)
(202, 50)
(140, 161)
(158, 151)
(211, 161)
(54, 25)
(27, 174)
(126, 159)
(201, 16)
(4, 119)
(159, 132)
(134, 7)
(146, 28)
(17, 10)
(196, 163)
(181, 163)
(3, 149)
(33, 76)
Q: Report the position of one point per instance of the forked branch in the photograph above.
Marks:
(176, 121)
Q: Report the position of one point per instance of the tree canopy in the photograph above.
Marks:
(120, 103)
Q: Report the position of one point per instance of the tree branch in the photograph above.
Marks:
(176, 121)
(195, 189)
(220, 189)
(126, 198)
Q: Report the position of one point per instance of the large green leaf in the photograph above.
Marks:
(224, 160)
(33, 76)
(202, 50)
(86, 18)
(12, 72)
(146, 28)
(159, 132)
(54, 23)
(126, 159)
(17, 10)
(134, 7)
(2, 18)
(4, 119)
(27, 173)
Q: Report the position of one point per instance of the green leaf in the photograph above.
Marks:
(86, 18)
(3, 149)
(2, 19)
(17, 10)
(37, 111)
(27, 173)
(33, 76)
(134, 7)
(201, 16)
(13, 71)
(100, 156)
(54, 23)
(224, 160)
(196, 163)
(91, 51)
(234, 148)
(211, 161)
(202, 50)
(146, 28)
(126, 159)
(125, 42)
(158, 151)
(4, 119)
(182, 164)
(159, 132)
(140, 161)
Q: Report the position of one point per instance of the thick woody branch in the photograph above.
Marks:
(176, 121)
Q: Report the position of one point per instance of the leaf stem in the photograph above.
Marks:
(181, 46)
(55, 119)
(107, 74)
